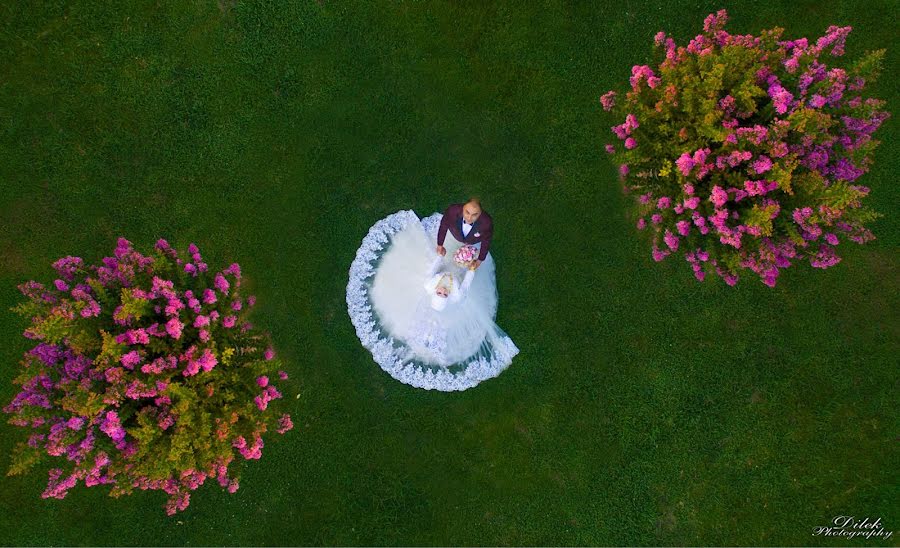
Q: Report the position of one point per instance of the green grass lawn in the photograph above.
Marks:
(644, 407)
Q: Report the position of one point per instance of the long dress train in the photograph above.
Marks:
(389, 301)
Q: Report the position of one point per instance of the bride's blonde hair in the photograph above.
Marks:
(441, 280)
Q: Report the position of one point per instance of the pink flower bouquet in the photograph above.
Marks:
(465, 255)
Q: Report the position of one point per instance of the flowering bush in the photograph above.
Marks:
(146, 374)
(742, 151)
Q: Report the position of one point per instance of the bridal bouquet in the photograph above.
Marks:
(145, 374)
(465, 255)
(743, 152)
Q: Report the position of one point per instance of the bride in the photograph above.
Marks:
(428, 320)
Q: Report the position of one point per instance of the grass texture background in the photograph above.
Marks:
(644, 407)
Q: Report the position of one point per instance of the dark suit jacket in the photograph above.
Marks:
(483, 227)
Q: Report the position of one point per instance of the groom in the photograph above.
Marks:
(469, 224)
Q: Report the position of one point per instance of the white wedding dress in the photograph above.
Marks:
(389, 299)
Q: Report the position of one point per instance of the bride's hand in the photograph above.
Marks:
(475, 264)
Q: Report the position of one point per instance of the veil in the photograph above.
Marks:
(439, 331)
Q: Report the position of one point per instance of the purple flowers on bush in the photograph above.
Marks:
(139, 378)
(744, 150)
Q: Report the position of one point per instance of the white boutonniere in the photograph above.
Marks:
(477, 234)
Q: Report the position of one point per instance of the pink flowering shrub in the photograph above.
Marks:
(743, 152)
(146, 374)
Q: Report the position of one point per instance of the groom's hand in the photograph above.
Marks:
(475, 264)
(441, 251)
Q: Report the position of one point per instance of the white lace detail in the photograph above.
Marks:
(432, 338)
(383, 347)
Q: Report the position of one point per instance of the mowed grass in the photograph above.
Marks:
(644, 408)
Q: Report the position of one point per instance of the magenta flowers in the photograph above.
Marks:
(744, 151)
(139, 378)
